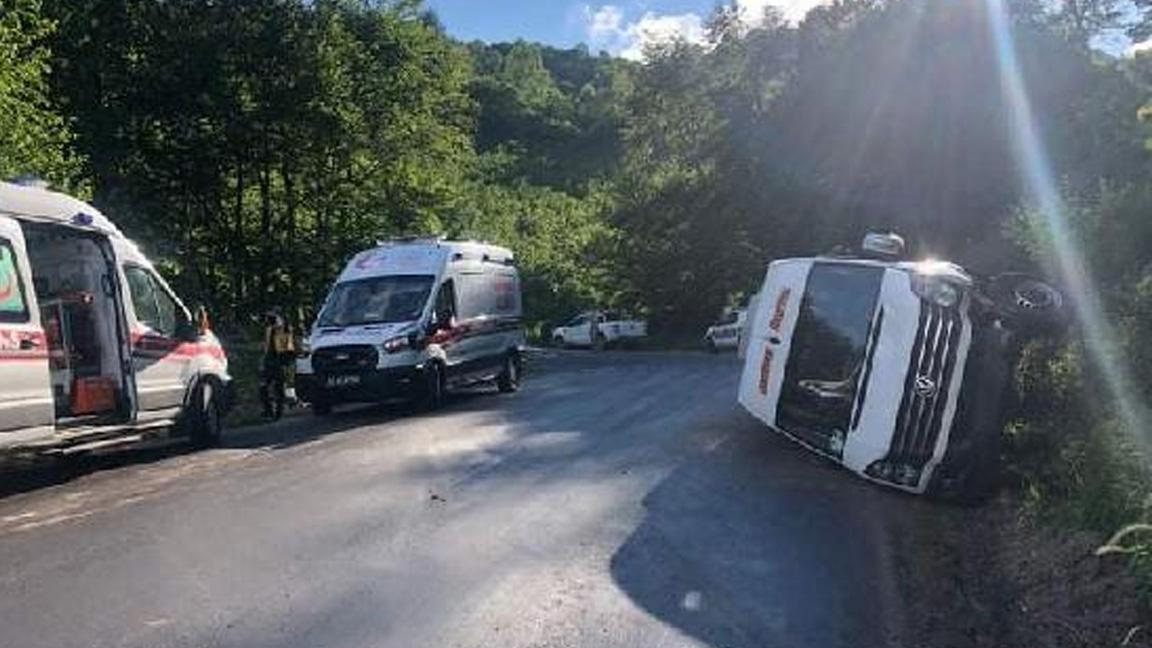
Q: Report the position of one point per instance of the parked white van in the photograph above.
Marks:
(412, 319)
(94, 345)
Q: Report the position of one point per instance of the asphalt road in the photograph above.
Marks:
(618, 500)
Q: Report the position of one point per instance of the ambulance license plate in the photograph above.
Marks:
(349, 380)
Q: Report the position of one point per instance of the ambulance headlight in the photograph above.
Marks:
(935, 290)
(397, 344)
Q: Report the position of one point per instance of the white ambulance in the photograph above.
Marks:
(900, 371)
(411, 319)
(94, 345)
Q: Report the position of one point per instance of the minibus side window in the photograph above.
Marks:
(13, 306)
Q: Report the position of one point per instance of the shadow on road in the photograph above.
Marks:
(24, 473)
(758, 544)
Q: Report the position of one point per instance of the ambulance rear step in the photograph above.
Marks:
(95, 437)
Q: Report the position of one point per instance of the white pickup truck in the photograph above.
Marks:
(597, 329)
(725, 333)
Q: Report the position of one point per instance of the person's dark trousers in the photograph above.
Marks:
(272, 386)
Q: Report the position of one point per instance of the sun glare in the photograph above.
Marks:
(1043, 191)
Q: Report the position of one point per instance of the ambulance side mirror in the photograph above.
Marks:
(201, 319)
(439, 323)
(186, 330)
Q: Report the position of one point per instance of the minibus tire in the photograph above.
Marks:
(509, 379)
(205, 420)
(1049, 318)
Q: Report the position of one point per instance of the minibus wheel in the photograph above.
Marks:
(204, 416)
(1034, 307)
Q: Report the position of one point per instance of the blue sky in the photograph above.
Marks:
(620, 26)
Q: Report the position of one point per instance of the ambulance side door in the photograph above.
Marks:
(161, 360)
(446, 325)
(27, 409)
(770, 335)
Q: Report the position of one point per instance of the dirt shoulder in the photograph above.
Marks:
(990, 576)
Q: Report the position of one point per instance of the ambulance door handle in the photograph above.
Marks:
(775, 341)
(28, 344)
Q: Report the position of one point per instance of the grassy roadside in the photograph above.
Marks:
(1026, 569)
(993, 577)
(244, 365)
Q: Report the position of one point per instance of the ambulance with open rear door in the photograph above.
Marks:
(95, 347)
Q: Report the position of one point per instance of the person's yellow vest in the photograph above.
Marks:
(278, 340)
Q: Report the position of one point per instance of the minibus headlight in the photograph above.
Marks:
(936, 290)
(894, 473)
(397, 344)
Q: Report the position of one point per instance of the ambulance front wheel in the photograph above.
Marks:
(509, 379)
(434, 388)
(204, 417)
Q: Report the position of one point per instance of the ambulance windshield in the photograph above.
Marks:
(377, 300)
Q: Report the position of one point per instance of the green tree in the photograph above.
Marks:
(34, 138)
(255, 145)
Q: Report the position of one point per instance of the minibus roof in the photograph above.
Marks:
(42, 205)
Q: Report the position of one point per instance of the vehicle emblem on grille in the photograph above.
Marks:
(925, 386)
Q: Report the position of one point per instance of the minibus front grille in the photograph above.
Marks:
(920, 418)
(353, 357)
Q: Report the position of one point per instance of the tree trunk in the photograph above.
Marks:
(237, 244)
(265, 265)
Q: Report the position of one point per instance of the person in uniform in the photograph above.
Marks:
(279, 352)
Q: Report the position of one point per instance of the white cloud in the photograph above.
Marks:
(604, 22)
(793, 10)
(608, 29)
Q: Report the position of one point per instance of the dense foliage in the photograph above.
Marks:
(33, 134)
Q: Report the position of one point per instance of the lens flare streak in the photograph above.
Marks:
(1099, 338)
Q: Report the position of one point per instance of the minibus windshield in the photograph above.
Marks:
(827, 354)
(377, 300)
